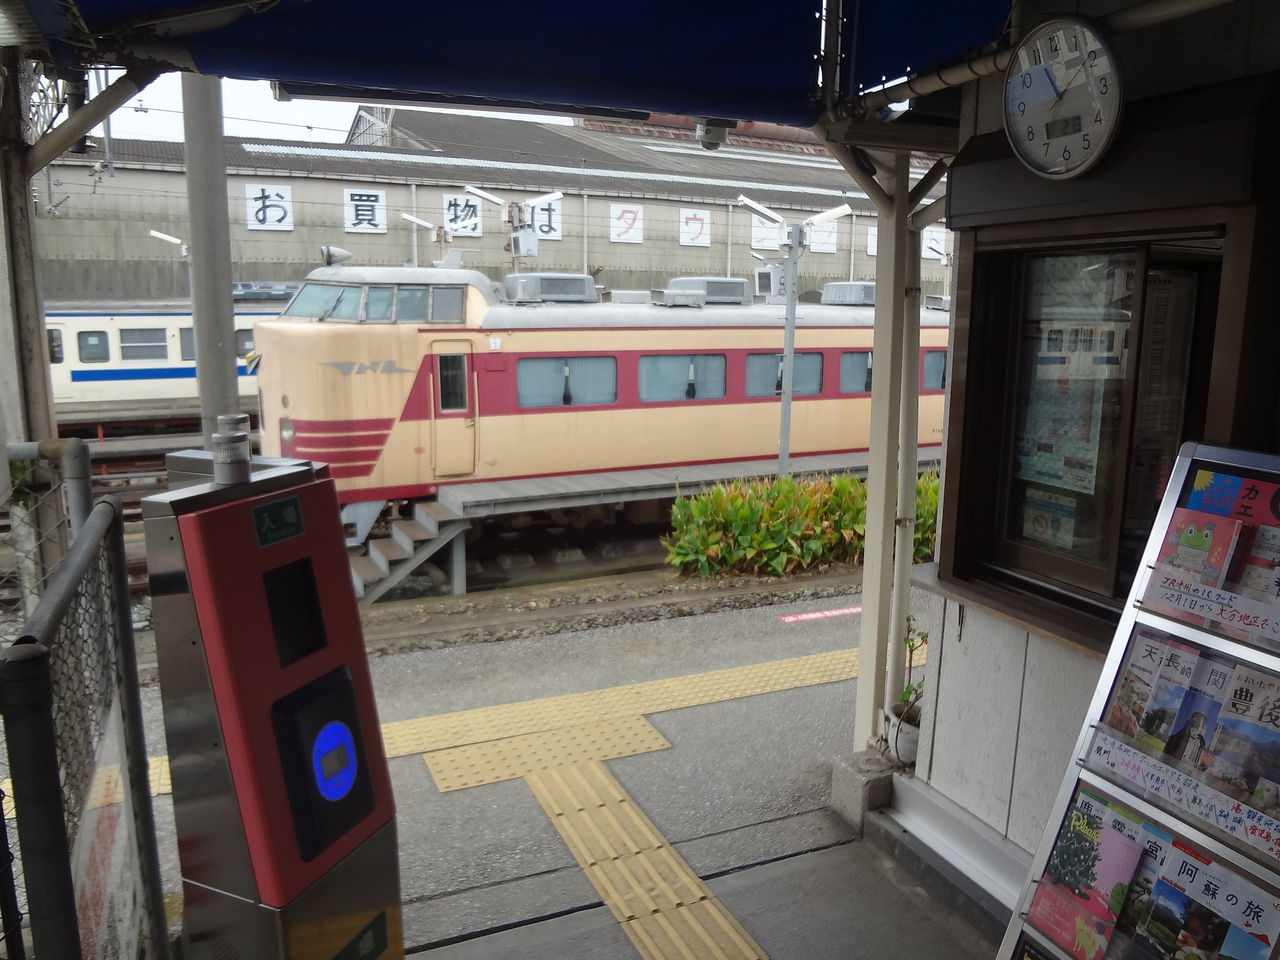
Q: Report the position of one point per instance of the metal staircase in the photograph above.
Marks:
(389, 560)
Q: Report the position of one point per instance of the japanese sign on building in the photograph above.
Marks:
(933, 243)
(695, 228)
(268, 206)
(364, 210)
(546, 220)
(626, 223)
(822, 236)
(766, 234)
(461, 214)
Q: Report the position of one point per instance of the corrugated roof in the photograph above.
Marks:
(535, 156)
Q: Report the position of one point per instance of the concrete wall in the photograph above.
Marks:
(96, 243)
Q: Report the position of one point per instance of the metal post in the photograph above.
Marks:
(458, 565)
(795, 237)
(26, 700)
(908, 441)
(211, 303)
(877, 562)
(413, 227)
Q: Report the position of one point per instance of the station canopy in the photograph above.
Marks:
(725, 59)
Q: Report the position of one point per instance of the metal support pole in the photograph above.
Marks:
(26, 700)
(458, 565)
(908, 441)
(211, 303)
(877, 561)
(795, 239)
(413, 227)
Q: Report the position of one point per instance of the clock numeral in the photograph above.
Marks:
(1035, 54)
(1022, 107)
(1031, 133)
(1046, 149)
(1086, 141)
(1093, 57)
(1026, 81)
(1102, 86)
(1054, 46)
(1066, 154)
(1098, 117)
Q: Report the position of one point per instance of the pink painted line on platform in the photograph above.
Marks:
(820, 615)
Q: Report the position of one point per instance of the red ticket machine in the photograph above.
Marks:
(284, 816)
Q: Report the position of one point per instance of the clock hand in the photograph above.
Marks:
(1049, 73)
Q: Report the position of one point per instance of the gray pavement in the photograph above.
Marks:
(742, 795)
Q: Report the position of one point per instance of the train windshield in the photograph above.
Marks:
(326, 301)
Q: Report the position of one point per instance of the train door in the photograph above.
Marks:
(453, 428)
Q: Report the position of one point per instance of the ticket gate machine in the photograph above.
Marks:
(283, 808)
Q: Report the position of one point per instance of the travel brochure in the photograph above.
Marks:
(1117, 886)
(1218, 565)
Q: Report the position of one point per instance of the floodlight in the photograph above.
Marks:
(545, 198)
(330, 256)
(761, 209)
(166, 238)
(463, 224)
(833, 214)
(419, 222)
(483, 195)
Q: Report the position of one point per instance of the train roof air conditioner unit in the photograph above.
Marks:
(678, 298)
(717, 289)
(551, 288)
(850, 293)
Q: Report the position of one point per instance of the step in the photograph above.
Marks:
(432, 512)
(385, 552)
(409, 533)
(364, 572)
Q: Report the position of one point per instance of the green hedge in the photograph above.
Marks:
(780, 526)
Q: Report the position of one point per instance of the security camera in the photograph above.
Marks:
(711, 133)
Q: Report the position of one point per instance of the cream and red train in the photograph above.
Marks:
(406, 379)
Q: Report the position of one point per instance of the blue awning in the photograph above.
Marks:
(730, 59)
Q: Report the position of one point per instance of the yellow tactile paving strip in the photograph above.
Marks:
(558, 745)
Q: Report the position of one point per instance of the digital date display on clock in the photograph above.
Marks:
(1064, 127)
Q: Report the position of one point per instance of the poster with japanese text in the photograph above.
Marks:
(364, 210)
(822, 236)
(268, 206)
(766, 234)
(695, 228)
(461, 213)
(626, 223)
(546, 219)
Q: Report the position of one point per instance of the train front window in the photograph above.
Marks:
(764, 374)
(92, 346)
(377, 304)
(675, 377)
(411, 304)
(314, 300)
(447, 305)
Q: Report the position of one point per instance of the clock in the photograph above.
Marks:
(1062, 98)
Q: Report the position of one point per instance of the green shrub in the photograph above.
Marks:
(779, 526)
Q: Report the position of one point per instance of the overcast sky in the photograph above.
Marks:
(248, 110)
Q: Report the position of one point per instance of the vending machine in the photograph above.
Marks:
(282, 803)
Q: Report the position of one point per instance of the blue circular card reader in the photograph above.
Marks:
(333, 760)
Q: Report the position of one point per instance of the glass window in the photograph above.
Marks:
(143, 344)
(55, 346)
(317, 300)
(855, 371)
(453, 382)
(764, 374)
(92, 346)
(244, 343)
(411, 304)
(447, 304)
(935, 370)
(187, 343)
(566, 381)
(666, 379)
(377, 304)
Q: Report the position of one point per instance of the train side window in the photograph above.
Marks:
(566, 381)
(855, 371)
(55, 346)
(411, 305)
(92, 346)
(144, 343)
(764, 374)
(935, 370)
(447, 305)
(453, 382)
(666, 379)
(187, 343)
(244, 343)
(377, 304)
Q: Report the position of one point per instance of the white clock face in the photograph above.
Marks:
(1062, 98)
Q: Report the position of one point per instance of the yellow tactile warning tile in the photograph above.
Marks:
(513, 757)
(700, 931)
(425, 734)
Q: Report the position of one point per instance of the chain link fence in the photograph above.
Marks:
(64, 590)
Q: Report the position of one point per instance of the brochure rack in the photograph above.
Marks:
(1164, 840)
